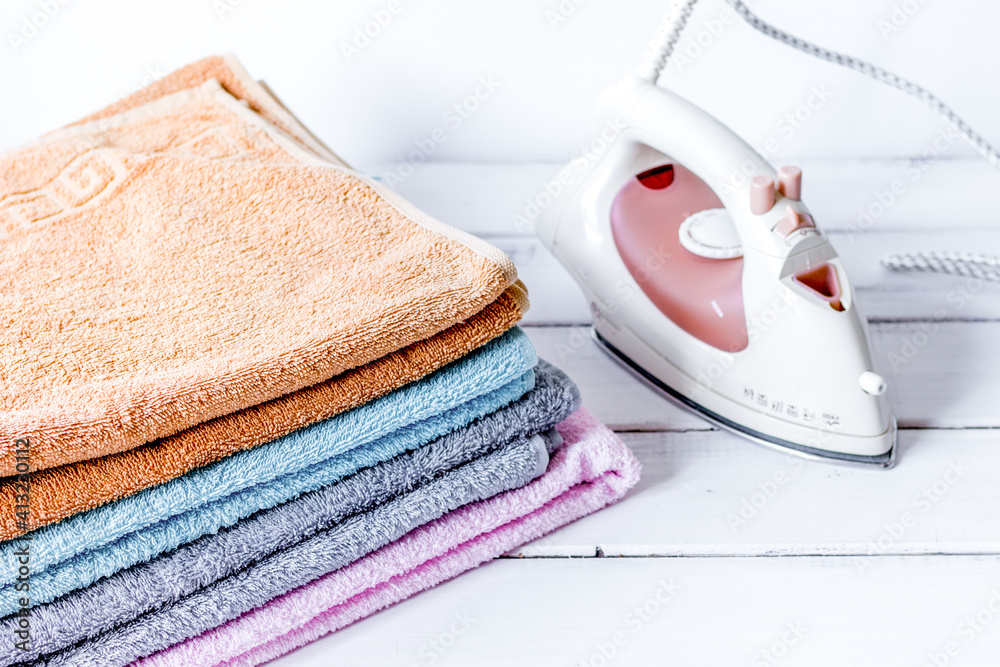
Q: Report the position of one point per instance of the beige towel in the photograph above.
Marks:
(184, 260)
(235, 80)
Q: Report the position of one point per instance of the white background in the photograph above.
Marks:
(432, 53)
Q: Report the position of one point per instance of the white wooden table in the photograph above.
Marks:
(771, 560)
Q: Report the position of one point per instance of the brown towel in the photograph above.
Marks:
(185, 260)
(60, 492)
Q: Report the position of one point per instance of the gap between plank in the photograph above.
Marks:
(885, 555)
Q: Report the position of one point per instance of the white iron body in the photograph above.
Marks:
(805, 380)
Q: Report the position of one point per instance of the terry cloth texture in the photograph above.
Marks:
(472, 387)
(61, 492)
(231, 75)
(591, 470)
(513, 465)
(125, 596)
(185, 259)
(67, 490)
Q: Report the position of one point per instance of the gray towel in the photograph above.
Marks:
(209, 581)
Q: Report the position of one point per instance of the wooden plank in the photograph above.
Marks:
(949, 195)
(840, 553)
(694, 611)
(941, 375)
(883, 295)
(712, 493)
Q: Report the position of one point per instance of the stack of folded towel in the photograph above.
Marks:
(250, 396)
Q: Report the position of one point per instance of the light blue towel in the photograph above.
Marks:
(78, 551)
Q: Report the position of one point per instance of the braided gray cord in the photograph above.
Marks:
(963, 264)
(877, 73)
(665, 40)
(966, 264)
(676, 18)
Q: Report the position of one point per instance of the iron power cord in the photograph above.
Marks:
(963, 264)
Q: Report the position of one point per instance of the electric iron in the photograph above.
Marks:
(709, 278)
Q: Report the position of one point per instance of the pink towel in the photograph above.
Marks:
(591, 470)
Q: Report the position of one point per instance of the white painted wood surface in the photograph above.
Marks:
(775, 560)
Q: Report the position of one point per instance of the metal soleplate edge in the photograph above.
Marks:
(885, 461)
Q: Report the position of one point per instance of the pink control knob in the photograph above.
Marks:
(790, 182)
(761, 194)
(792, 222)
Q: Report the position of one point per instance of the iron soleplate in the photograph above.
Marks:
(886, 460)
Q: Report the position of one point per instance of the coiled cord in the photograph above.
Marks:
(963, 264)
(966, 264)
(927, 97)
(667, 35)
